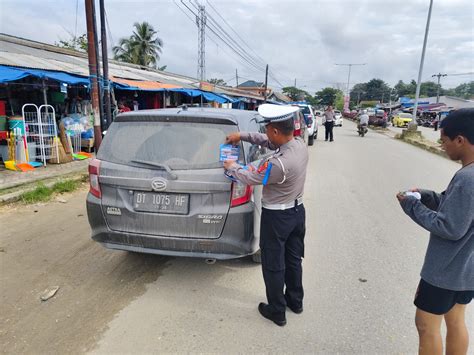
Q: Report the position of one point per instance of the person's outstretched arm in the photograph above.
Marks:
(455, 213)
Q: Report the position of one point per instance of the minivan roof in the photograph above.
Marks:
(201, 114)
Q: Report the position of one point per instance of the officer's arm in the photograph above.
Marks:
(257, 138)
(269, 173)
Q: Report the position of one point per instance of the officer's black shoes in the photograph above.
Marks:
(296, 310)
(293, 308)
(277, 318)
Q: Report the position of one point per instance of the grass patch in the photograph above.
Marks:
(41, 193)
(65, 186)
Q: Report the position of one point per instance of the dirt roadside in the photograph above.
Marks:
(49, 245)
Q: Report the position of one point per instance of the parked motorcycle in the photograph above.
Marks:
(362, 130)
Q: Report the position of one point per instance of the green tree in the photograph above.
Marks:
(327, 96)
(339, 103)
(430, 89)
(76, 43)
(220, 82)
(466, 90)
(294, 93)
(377, 89)
(143, 47)
(357, 94)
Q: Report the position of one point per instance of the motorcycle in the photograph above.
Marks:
(362, 130)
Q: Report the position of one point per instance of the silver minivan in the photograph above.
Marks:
(158, 186)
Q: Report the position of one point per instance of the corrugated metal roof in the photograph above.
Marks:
(145, 84)
(20, 52)
(29, 54)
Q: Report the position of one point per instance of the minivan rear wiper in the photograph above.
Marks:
(158, 165)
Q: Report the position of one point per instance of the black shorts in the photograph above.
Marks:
(438, 300)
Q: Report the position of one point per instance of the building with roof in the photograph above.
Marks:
(27, 66)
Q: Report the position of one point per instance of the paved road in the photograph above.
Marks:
(363, 257)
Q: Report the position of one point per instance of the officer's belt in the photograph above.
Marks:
(283, 206)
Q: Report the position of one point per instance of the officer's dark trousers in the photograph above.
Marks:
(328, 131)
(282, 247)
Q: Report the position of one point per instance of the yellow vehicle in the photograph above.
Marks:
(402, 119)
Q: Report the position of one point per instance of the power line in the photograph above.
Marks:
(233, 44)
(225, 42)
(222, 34)
(260, 59)
(211, 39)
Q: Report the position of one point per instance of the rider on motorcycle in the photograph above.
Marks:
(363, 119)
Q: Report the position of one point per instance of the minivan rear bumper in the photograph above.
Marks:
(237, 238)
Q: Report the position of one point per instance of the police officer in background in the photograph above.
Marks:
(282, 227)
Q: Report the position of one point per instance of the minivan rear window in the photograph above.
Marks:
(179, 145)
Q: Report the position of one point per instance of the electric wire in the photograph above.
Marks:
(270, 72)
(219, 32)
(249, 64)
(210, 38)
(220, 36)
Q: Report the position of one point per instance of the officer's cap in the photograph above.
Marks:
(276, 113)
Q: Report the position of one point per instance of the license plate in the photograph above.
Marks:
(161, 202)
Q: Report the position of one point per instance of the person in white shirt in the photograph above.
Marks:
(364, 118)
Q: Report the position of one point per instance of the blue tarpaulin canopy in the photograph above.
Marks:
(209, 96)
(12, 74)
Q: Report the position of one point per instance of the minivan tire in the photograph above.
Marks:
(257, 257)
(311, 140)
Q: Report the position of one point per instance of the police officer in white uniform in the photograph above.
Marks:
(282, 227)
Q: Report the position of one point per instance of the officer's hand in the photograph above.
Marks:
(401, 196)
(233, 138)
(228, 164)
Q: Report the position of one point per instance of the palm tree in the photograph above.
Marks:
(142, 47)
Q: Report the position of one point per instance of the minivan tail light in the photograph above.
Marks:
(241, 194)
(94, 189)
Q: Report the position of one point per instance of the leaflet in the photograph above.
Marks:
(229, 152)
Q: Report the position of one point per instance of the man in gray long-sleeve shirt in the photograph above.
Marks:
(447, 276)
(282, 226)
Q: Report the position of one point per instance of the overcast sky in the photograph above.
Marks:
(300, 40)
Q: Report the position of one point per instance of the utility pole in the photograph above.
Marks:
(266, 83)
(237, 78)
(413, 125)
(97, 60)
(105, 65)
(347, 98)
(350, 65)
(439, 75)
(91, 51)
(201, 23)
(295, 83)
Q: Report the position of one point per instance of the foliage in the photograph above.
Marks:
(162, 68)
(466, 90)
(42, 193)
(339, 103)
(294, 93)
(328, 96)
(430, 89)
(142, 47)
(220, 82)
(403, 89)
(374, 90)
(65, 186)
(75, 43)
